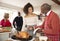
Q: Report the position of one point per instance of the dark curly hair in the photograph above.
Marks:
(25, 9)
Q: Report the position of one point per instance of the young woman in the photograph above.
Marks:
(30, 19)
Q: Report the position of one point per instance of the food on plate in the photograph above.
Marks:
(1, 30)
(4, 30)
(22, 34)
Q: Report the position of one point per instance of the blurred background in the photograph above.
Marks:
(13, 6)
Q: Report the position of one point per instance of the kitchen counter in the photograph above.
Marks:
(4, 36)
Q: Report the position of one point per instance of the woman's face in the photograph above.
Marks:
(30, 10)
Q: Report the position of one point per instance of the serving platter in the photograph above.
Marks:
(22, 39)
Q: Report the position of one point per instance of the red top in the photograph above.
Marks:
(5, 24)
(51, 24)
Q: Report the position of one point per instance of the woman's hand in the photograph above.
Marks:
(30, 28)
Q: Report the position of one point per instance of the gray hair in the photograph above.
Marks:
(6, 14)
(47, 6)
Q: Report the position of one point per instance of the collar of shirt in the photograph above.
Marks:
(19, 16)
(48, 13)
